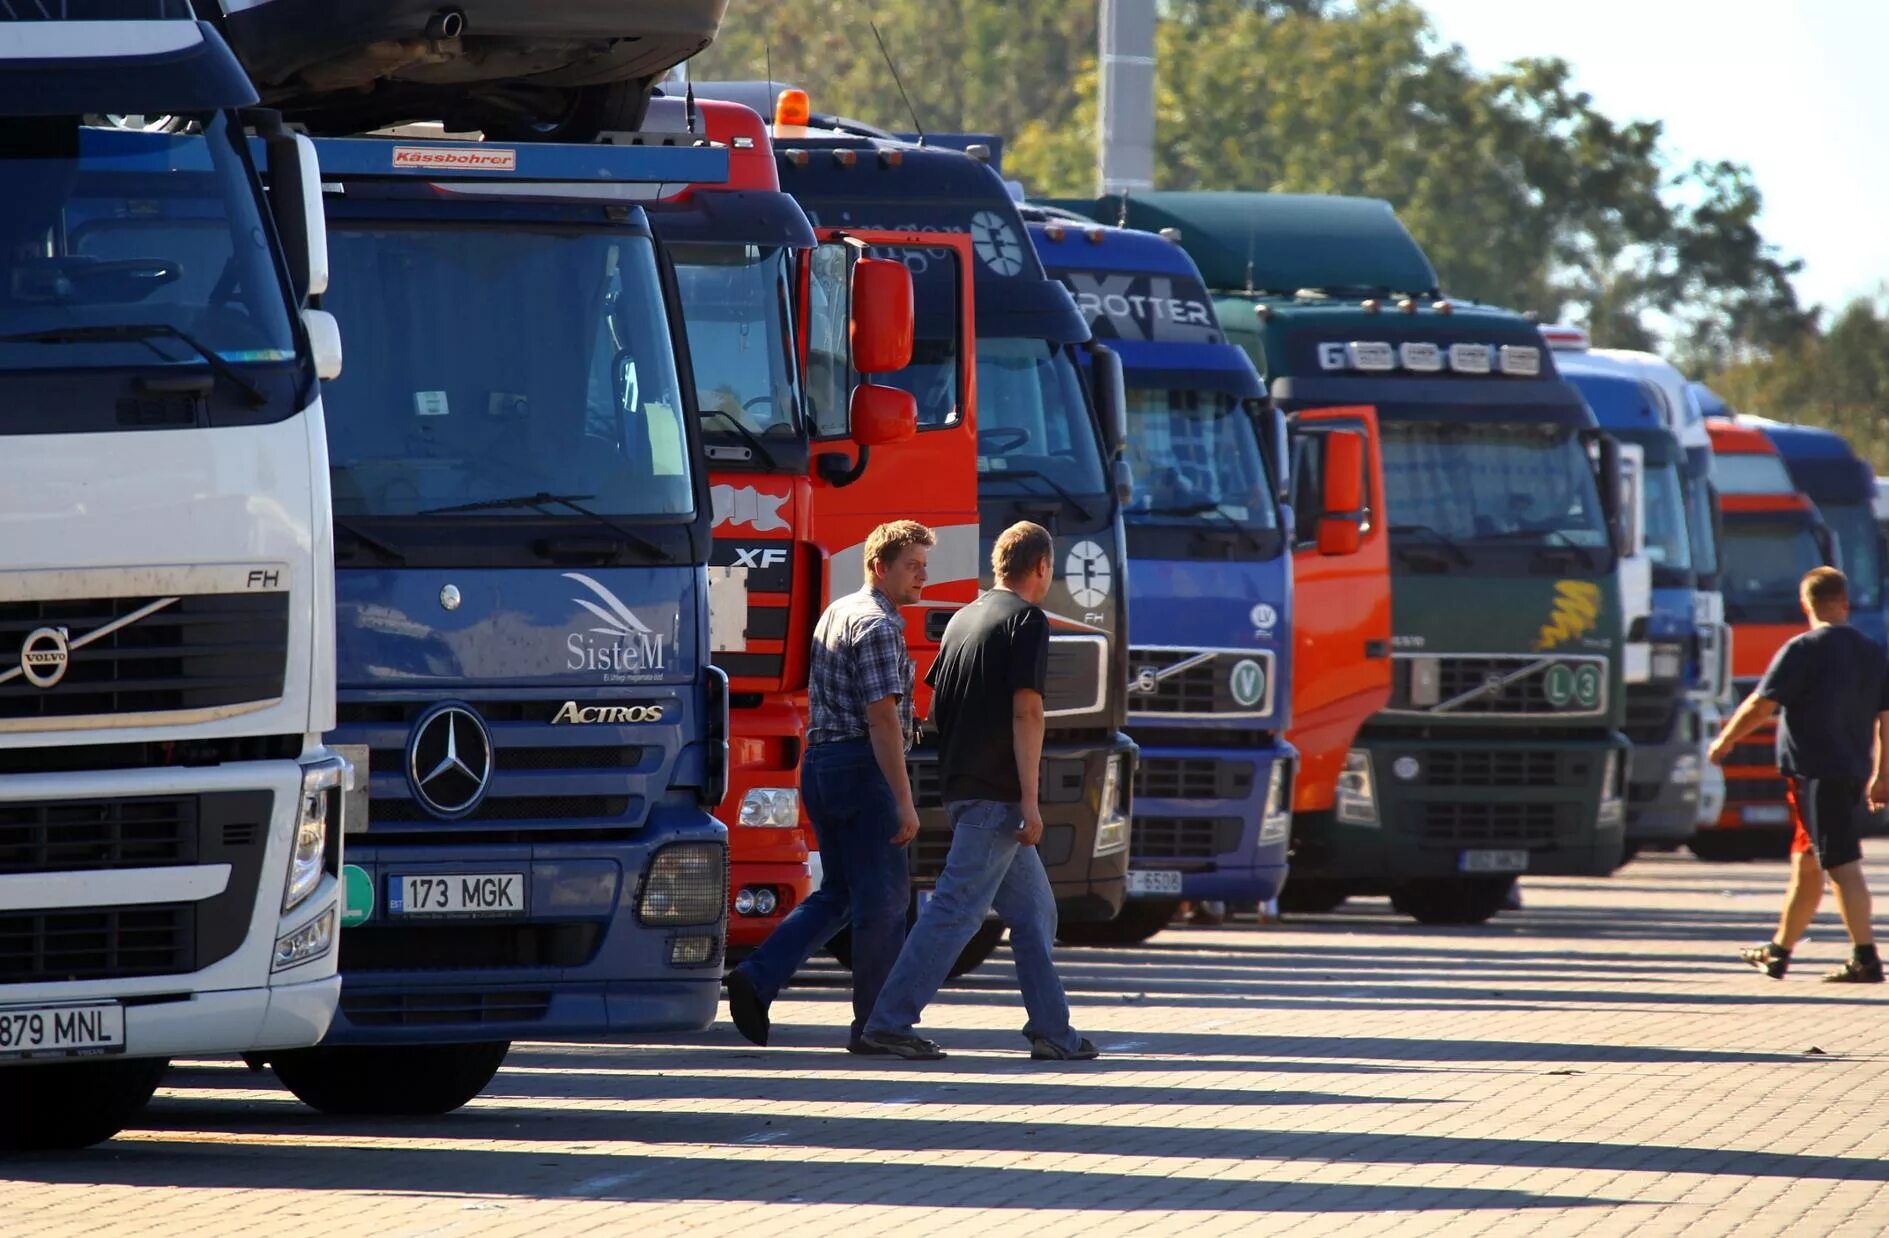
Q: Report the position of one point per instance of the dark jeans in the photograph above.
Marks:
(864, 880)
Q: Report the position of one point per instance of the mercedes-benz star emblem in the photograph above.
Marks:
(44, 656)
(449, 760)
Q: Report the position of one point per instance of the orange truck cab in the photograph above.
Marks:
(1773, 535)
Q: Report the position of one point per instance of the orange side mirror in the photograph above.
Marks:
(1339, 535)
(882, 324)
(1341, 524)
(883, 415)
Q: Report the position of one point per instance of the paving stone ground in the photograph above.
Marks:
(1592, 1063)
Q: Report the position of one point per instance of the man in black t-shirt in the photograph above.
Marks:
(987, 703)
(1832, 686)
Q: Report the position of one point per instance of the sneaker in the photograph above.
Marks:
(1856, 972)
(899, 1044)
(1766, 959)
(1043, 1049)
(746, 1008)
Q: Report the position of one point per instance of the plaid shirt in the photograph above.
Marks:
(858, 658)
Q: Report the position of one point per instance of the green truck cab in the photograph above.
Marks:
(1500, 750)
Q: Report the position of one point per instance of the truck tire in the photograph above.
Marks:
(589, 110)
(67, 1105)
(389, 1080)
(1310, 898)
(1139, 920)
(1452, 900)
(969, 959)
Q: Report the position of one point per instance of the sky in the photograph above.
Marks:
(1793, 88)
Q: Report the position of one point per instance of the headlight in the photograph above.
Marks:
(1613, 808)
(1668, 661)
(1275, 825)
(687, 884)
(1686, 771)
(1357, 792)
(774, 808)
(321, 793)
(1111, 833)
(305, 944)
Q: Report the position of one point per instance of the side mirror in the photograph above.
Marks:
(1826, 545)
(1124, 478)
(883, 415)
(324, 340)
(1606, 458)
(295, 201)
(1341, 524)
(882, 324)
(1111, 397)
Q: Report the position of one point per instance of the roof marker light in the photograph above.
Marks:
(891, 158)
(799, 158)
(1054, 232)
(1372, 305)
(1095, 236)
(1262, 312)
(1171, 234)
(978, 151)
(1408, 305)
(791, 107)
(1443, 307)
(846, 158)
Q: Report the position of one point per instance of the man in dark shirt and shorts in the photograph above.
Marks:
(1832, 686)
(987, 702)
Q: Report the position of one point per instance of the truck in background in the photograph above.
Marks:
(1210, 670)
(1499, 751)
(522, 530)
(1828, 472)
(170, 819)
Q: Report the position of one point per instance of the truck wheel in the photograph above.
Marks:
(1139, 920)
(390, 1080)
(588, 111)
(69, 1105)
(1452, 900)
(1307, 898)
(969, 959)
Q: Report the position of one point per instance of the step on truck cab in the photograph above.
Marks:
(1210, 671)
(1040, 456)
(1773, 534)
(523, 533)
(745, 257)
(170, 820)
(1499, 751)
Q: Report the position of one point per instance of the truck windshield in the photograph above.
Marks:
(734, 303)
(1194, 453)
(1032, 420)
(1765, 561)
(1522, 483)
(1853, 526)
(487, 363)
(1751, 473)
(1668, 543)
(105, 228)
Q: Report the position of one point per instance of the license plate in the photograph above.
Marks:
(457, 894)
(1493, 861)
(1146, 881)
(61, 1031)
(1766, 814)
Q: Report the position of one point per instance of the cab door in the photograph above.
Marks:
(1341, 671)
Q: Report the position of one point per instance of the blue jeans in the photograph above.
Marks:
(986, 868)
(864, 880)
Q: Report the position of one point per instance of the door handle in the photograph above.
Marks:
(1377, 649)
(935, 623)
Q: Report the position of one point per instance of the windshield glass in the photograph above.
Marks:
(1705, 554)
(104, 228)
(1765, 561)
(1518, 482)
(1667, 542)
(734, 302)
(1032, 418)
(1853, 525)
(1750, 473)
(1195, 452)
(485, 364)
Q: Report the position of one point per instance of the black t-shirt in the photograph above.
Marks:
(1831, 682)
(991, 649)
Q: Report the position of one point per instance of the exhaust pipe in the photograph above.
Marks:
(445, 24)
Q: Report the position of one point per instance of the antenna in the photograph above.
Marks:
(880, 39)
(767, 50)
(688, 108)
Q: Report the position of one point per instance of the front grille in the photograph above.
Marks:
(1487, 825)
(1650, 713)
(1236, 739)
(1205, 688)
(459, 947)
(509, 808)
(607, 756)
(66, 836)
(1754, 790)
(418, 1008)
(1643, 792)
(1492, 768)
(1060, 782)
(1547, 684)
(1183, 838)
(1078, 669)
(97, 943)
(1193, 778)
(202, 651)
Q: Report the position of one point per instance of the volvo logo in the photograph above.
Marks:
(45, 656)
(449, 760)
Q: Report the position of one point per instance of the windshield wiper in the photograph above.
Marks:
(1567, 542)
(144, 333)
(386, 550)
(542, 500)
(748, 436)
(1441, 539)
(1020, 474)
(1208, 507)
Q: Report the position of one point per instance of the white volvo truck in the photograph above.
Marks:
(170, 830)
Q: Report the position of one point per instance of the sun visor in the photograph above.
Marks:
(71, 68)
(739, 217)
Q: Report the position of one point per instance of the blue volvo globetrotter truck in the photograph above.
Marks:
(1209, 675)
(522, 533)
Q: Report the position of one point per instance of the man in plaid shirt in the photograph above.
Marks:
(859, 696)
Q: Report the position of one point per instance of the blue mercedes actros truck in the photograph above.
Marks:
(521, 522)
(1209, 674)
